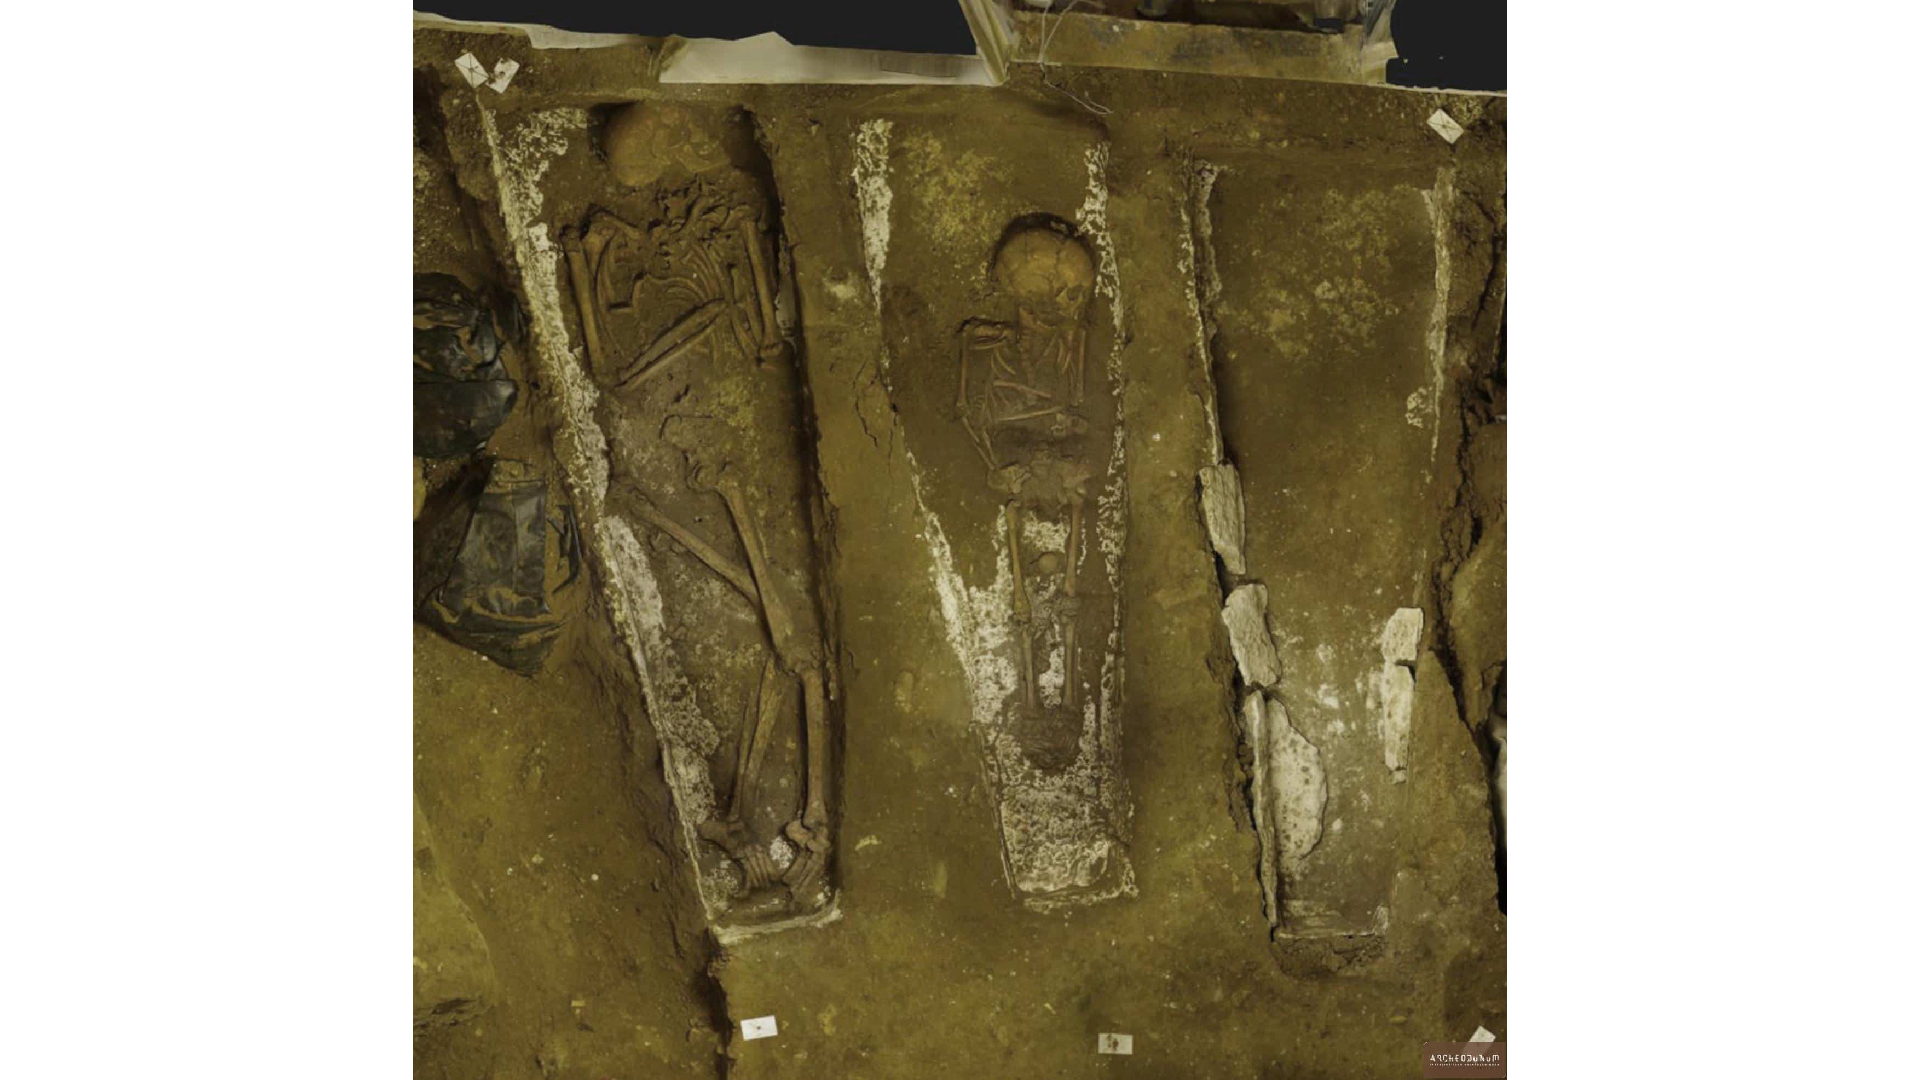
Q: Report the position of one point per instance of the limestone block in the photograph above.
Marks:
(1246, 617)
(1253, 727)
(1396, 718)
(1400, 640)
(1399, 647)
(1226, 515)
(1289, 792)
(1299, 783)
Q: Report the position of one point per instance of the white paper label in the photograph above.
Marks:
(760, 1027)
(472, 69)
(502, 75)
(1113, 1043)
(1481, 1034)
(1446, 126)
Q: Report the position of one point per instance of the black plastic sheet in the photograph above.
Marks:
(461, 391)
(481, 563)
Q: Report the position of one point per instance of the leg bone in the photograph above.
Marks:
(753, 748)
(733, 572)
(580, 273)
(1022, 611)
(672, 343)
(794, 652)
(815, 814)
(762, 283)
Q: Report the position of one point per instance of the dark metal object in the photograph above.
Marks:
(461, 391)
(480, 563)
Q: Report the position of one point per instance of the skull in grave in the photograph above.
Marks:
(648, 141)
(1047, 272)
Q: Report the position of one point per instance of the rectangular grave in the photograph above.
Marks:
(1326, 374)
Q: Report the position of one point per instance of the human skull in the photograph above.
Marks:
(1047, 273)
(648, 140)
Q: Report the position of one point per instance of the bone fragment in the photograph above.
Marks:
(755, 328)
(781, 626)
(753, 750)
(815, 815)
(762, 282)
(672, 343)
(735, 574)
(582, 279)
(1022, 611)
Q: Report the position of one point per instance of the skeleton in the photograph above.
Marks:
(1021, 393)
(703, 252)
(704, 235)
